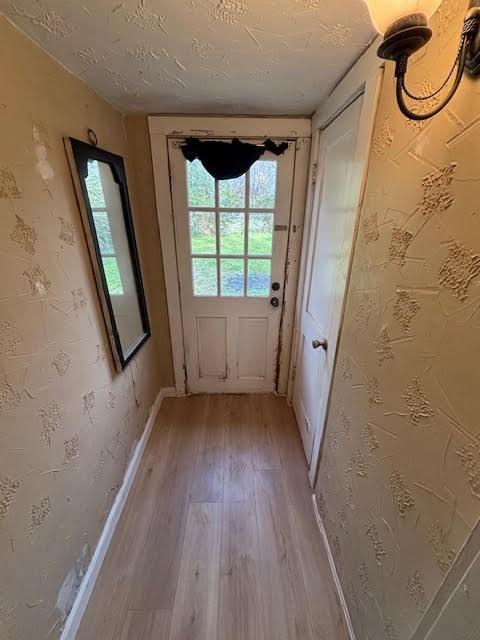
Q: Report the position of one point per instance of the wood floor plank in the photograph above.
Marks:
(207, 484)
(239, 478)
(109, 601)
(292, 456)
(284, 597)
(165, 421)
(252, 568)
(147, 625)
(265, 451)
(195, 611)
(155, 581)
(322, 598)
(240, 613)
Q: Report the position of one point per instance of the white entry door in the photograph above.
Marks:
(329, 250)
(232, 240)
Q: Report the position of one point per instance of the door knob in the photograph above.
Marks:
(276, 286)
(275, 302)
(316, 344)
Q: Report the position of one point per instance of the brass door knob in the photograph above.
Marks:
(316, 344)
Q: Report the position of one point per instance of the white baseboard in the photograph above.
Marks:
(73, 621)
(333, 569)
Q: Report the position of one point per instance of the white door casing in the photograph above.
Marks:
(329, 250)
(231, 330)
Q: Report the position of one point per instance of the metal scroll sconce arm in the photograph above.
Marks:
(410, 34)
(469, 31)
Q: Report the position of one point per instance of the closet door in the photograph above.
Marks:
(330, 246)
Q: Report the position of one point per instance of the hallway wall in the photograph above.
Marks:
(399, 481)
(68, 420)
(143, 197)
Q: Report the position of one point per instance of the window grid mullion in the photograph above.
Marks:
(218, 256)
(245, 239)
(230, 256)
(229, 209)
(217, 233)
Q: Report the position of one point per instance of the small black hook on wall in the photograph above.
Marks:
(92, 136)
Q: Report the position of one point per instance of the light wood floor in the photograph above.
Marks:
(218, 540)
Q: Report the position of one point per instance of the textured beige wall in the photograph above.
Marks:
(143, 197)
(399, 483)
(68, 421)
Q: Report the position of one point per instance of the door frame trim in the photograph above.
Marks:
(164, 127)
(364, 78)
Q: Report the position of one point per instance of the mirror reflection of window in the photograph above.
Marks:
(107, 212)
(103, 229)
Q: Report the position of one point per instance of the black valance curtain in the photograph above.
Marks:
(228, 160)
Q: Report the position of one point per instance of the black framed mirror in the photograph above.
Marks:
(102, 192)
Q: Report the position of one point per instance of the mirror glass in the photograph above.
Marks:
(107, 212)
(112, 246)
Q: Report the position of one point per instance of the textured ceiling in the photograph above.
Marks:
(208, 56)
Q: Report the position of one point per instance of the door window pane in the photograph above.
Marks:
(260, 234)
(258, 284)
(201, 185)
(203, 232)
(232, 277)
(204, 276)
(232, 193)
(263, 183)
(225, 235)
(232, 233)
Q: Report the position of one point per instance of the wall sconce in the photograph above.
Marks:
(404, 25)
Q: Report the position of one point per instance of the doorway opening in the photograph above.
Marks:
(236, 251)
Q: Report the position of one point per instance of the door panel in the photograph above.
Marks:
(212, 347)
(330, 246)
(252, 342)
(231, 242)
